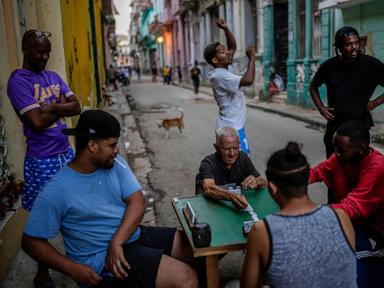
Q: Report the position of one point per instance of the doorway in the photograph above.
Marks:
(281, 38)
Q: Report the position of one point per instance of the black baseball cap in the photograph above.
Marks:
(95, 124)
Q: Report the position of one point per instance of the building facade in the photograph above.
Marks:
(186, 27)
(292, 37)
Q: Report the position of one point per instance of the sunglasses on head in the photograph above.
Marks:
(41, 34)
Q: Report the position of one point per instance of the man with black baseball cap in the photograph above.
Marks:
(97, 204)
(95, 124)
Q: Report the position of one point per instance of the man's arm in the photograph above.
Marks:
(379, 79)
(253, 182)
(41, 118)
(67, 107)
(47, 114)
(211, 190)
(134, 212)
(249, 75)
(252, 178)
(366, 197)
(256, 256)
(231, 41)
(326, 112)
(376, 102)
(322, 172)
(347, 227)
(43, 252)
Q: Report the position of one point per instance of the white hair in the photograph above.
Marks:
(226, 131)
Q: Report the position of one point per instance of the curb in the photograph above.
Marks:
(267, 109)
(312, 122)
(376, 136)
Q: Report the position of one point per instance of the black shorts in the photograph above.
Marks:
(144, 257)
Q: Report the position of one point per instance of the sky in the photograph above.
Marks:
(123, 19)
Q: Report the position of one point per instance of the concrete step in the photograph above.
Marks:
(280, 97)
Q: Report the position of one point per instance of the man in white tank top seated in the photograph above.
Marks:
(303, 245)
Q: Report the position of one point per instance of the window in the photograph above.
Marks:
(316, 39)
(300, 29)
(366, 45)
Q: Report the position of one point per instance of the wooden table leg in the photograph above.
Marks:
(212, 266)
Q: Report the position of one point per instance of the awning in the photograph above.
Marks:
(340, 3)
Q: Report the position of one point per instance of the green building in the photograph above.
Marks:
(298, 37)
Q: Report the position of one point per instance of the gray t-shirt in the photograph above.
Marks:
(229, 97)
(309, 250)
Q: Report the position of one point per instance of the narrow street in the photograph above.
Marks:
(293, 58)
(175, 161)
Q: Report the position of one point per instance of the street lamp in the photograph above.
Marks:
(160, 41)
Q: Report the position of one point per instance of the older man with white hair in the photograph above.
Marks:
(228, 165)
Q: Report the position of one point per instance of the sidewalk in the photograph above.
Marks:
(131, 145)
(310, 116)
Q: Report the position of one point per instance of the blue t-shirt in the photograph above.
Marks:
(87, 208)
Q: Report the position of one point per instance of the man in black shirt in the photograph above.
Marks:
(227, 165)
(350, 79)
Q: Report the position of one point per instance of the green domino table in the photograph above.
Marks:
(226, 224)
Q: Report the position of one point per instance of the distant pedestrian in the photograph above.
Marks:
(179, 74)
(111, 76)
(170, 77)
(126, 76)
(154, 73)
(129, 71)
(350, 79)
(166, 73)
(41, 100)
(276, 85)
(138, 72)
(227, 85)
(195, 76)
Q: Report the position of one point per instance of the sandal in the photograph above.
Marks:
(44, 282)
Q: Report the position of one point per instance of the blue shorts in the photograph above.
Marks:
(37, 172)
(244, 142)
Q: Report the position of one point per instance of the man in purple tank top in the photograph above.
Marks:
(41, 100)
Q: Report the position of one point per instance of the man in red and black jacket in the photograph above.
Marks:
(355, 172)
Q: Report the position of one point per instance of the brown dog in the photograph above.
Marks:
(172, 122)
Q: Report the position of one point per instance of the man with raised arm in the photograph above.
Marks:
(227, 85)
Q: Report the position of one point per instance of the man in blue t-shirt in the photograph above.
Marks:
(97, 204)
